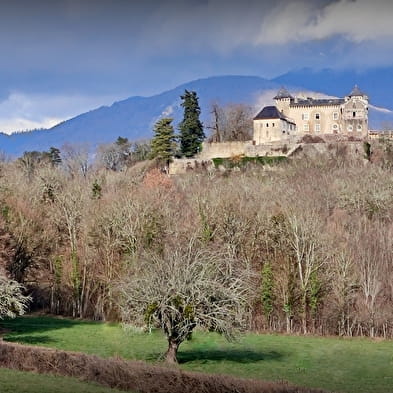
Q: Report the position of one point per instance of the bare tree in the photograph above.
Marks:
(343, 291)
(76, 158)
(69, 215)
(372, 251)
(185, 288)
(232, 122)
(304, 238)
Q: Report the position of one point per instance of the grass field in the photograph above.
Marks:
(23, 382)
(340, 365)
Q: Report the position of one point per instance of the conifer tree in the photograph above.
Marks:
(191, 128)
(163, 142)
(54, 156)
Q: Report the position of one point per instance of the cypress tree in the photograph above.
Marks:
(191, 128)
(163, 142)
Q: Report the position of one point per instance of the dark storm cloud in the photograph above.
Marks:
(70, 44)
(101, 48)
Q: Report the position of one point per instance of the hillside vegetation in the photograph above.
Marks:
(317, 233)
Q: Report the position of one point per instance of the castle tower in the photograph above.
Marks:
(355, 113)
(283, 100)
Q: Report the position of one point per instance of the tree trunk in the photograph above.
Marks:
(304, 312)
(288, 323)
(171, 353)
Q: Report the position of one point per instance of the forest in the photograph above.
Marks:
(316, 233)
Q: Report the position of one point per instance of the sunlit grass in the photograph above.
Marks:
(341, 365)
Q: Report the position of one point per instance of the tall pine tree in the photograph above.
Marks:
(191, 128)
(163, 143)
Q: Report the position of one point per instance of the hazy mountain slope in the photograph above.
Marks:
(134, 117)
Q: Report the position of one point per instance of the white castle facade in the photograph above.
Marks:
(296, 117)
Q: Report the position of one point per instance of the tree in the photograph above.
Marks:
(140, 151)
(76, 159)
(232, 122)
(163, 143)
(304, 230)
(267, 287)
(12, 300)
(54, 156)
(181, 289)
(191, 129)
(29, 161)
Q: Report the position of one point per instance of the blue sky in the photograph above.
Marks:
(60, 58)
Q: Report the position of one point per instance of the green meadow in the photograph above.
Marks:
(12, 381)
(340, 365)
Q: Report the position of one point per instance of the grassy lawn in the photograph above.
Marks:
(340, 365)
(23, 382)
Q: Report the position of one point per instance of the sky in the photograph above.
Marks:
(60, 58)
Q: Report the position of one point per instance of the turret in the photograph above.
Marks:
(356, 93)
(283, 100)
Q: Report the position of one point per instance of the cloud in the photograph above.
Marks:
(301, 21)
(21, 111)
(73, 49)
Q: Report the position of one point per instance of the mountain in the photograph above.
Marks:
(134, 117)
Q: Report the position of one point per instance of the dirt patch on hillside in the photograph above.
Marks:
(130, 375)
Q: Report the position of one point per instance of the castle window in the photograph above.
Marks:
(267, 124)
(359, 128)
(335, 127)
(350, 128)
(306, 127)
(305, 116)
(317, 116)
(272, 124)
(353, 114)
(335, 115)
(317, 128)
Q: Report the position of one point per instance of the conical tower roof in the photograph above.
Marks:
(356, 92)
(282, 93)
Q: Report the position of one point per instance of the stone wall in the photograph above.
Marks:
(223, 149)
(232, 149)
(183, 165)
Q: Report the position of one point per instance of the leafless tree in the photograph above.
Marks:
(185, 288)
(304, 231)
(232, 122)
(76, 159)
(372, 252)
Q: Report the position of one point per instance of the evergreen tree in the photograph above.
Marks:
(163, 142)
(54, 156)
(96, 190)
(191, 129)
(267, 290)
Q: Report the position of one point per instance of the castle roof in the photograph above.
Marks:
(282, 93)
(317, 102)
(356, 92)
(271, 112)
